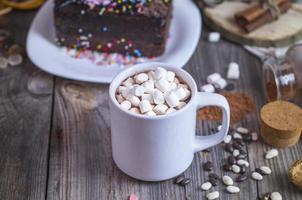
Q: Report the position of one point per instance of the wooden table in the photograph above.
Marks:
(55, 135)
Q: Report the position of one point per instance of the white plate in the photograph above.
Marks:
(42, 50)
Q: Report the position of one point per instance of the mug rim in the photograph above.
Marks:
(142, 67)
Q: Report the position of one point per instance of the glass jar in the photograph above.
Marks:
(282, 77)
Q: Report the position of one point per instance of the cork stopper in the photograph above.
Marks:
(295, 173)
(281, 123)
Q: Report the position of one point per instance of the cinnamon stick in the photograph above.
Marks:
(256, 16)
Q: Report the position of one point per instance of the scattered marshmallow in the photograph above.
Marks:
(128, 82)
(138, 90)
(213, 77)
(127, 91)
(171, 110)
(181, 105)
(180, 92)
(220, 83)
(163, 85)
(149, 86)
(160, 109)
(145, 106)
(172, 99)
(119, 98)
(233, 71)
(153, 93)
(160, 73)
(150, 113)
(141, 78)
(208, 88)
(148, 97)
(158, 97)
(214, 37)
(135, 110)
(170, 76)
(126, 105)
(134, 100)
(120, 89)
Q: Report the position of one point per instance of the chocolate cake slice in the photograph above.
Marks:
(130, 27)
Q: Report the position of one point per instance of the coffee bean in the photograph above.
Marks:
(243, 152)
(230, 87)
(208, 166)
(241, 156)
(185, 182)
(240, 142)
(227, 167)
(266, 196)
(242, 170)
(241, 178)
(247, 138)
(213, 175)
(179, 179)
(206, 151)
(213, 181)
(237, 146)
(229, 148)
(231, 160)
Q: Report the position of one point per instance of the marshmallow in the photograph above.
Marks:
(188, 94)
(138, 90)
(145, 106)
(176, 80)
(149, 86)
(172, 99)
(128, 82)
(170, 76)
(214, 37)
(181, 105)
(220, 83)
(127, 91)
(119, 98)
(126, 105)
(213, 77)
(151, 75)
(134, 100)
(148, 97)
(163, 85)
(150, 113)
(160, 109)
(208, 88)
(134, 110)
(141, 78)
(160, 73)
(183, 85)
(171, 110)
(173, 86)
(180, 93)
(158, 97)
(120, 89)
(233, 71)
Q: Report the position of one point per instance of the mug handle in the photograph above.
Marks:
(212, 99)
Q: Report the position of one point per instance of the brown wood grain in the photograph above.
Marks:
(34, 108)
(25, 114)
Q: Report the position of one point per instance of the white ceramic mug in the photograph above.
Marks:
(156, 148)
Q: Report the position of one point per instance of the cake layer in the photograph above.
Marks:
(139, 34)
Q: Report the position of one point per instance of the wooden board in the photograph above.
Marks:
(25, 123)
(80, 165)
(286, 30)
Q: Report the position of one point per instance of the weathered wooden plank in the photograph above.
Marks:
(81, 166)
(210, 58)
(25, 114)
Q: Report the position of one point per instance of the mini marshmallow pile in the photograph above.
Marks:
(215, 81)
(152, 93)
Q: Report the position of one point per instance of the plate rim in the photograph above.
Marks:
(104, 79)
